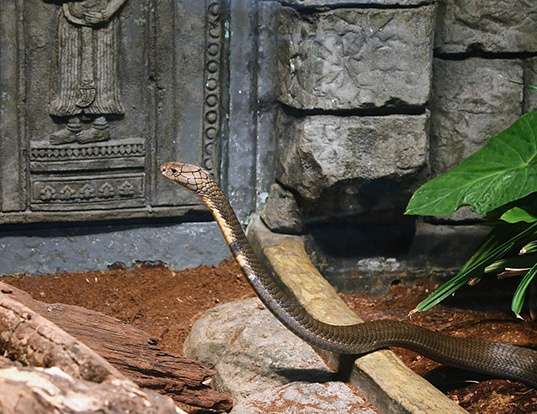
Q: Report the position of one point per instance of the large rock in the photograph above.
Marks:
(251, 350)
(356, 58)
(349, 163)
(473, 99)
(281, 213)
(305, 398)
(489, 25)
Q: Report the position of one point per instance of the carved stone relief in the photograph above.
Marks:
(87, 75)
(104, 91)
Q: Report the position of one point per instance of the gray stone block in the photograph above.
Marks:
(473, 99)
(337, 157)
(488, 25)
(88, 248)
(281, 213)
(356, 58)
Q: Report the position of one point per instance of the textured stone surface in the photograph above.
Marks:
(267, 98)
(530, 76)
(241, 140)
(489, 25)
(350, 3)
(473, 99)
(281, 213)
(351, 162)
(96, 247)
(250, 349)
(356, 58)
(305, 398)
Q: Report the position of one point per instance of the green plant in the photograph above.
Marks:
(499, 182)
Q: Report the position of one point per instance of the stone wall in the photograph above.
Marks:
(371, 98)
(331, 112)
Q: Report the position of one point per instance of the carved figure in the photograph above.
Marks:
(87, 87)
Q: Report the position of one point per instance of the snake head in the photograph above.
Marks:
(190, 176)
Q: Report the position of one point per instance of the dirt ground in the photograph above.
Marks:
(165, 303)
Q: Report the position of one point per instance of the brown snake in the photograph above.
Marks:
(491, 358)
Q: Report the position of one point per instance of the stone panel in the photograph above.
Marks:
(473, 99)
(90, 106)
(356, 58)
(489, 25)
(343, 159)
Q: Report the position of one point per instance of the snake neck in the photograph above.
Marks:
(274, 294)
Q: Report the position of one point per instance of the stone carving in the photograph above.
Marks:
(124, 148)
(71, 69)
(87, 79)
(212, 84)
(87, 190)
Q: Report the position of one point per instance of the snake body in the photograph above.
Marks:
(490, 358)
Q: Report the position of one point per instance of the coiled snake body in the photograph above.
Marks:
(491, 358)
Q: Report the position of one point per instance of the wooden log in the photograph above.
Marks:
(32, 340)
(51, 390)
(70, 376)
(131, 351)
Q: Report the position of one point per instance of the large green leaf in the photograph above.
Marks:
(502, 171)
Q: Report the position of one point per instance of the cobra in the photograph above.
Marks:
(491, 358)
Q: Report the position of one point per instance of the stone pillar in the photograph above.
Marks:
(354, 81)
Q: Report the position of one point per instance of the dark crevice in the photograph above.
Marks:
(381, 111)
(351, 4)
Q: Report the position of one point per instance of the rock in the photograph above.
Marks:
(353, 164)
(207, 344)
(251, 350)
(473, 99)
(530, 76)
(356, 58)
(444, 246)
(464, 215)
(305, 398)
(488, 25)
(52, 390)
(281, 213)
